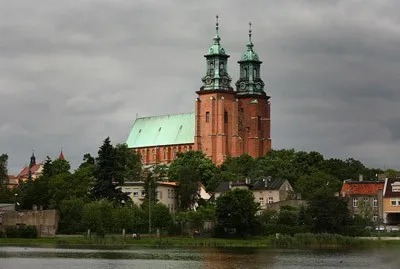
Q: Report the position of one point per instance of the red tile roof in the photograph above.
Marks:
(361, 187)
(24, 172)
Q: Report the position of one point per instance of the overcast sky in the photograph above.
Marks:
(74, 72)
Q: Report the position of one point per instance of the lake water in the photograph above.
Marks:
(177, 258)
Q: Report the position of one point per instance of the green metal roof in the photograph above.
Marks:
(162, 130)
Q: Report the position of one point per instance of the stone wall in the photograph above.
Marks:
(46, 221)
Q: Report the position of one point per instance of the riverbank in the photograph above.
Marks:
(280, 241)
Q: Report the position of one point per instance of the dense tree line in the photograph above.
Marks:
(91, 198)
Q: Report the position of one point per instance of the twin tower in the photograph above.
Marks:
(231, 122)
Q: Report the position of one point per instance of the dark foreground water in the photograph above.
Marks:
(155, 258)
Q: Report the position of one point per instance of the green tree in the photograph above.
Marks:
(219, 177)
(308, 185)
(236, 209)
(129, 164)
(98, 217)
(195, 161)
(124, 218)
(113, 166)
(160, 217)
(241, 166)
(3, 170)
(150, 189)
(188, 189)
(71, 212)
(328, 213)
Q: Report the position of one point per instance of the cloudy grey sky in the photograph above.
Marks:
(75, 72)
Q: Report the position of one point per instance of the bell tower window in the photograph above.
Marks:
(245, 72)
(211, 67)
(255, 73)
(207, 116)
(225, 117)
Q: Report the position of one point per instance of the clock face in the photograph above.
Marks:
(242, 85)
(208, 80)
(258, 86)
(225, 80)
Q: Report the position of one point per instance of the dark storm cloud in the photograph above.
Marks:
(72, 73)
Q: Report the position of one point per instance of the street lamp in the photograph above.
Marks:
(15, 201)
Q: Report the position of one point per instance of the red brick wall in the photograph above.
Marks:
(217, 138)
(161, 154)
(255, 125)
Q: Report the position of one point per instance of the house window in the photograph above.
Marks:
(169, 193)
(366, 199)
(225, 117)
(375, 218)
(207, 116)
(261, 201)
(375, 202)
(135, 193)
(395, 202)
(355, 202)
(143, 193)
(270, 200)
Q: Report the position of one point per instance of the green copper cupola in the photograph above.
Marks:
(250, 82)
(217, 77)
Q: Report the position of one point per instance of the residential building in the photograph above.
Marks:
(226, 122)
(364, 197)
(166, 193)
(391, 201)
(265, 191)
(12, 182)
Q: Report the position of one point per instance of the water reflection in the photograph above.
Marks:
(179, 258)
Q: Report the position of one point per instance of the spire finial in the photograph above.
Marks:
(250, 31)
(250, 45)
(216, 23)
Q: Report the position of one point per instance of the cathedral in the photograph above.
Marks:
(227, 121)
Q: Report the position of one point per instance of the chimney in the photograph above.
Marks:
(360, 177)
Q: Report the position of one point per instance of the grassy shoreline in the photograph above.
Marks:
(282, 241)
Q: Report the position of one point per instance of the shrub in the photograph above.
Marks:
(21, 232)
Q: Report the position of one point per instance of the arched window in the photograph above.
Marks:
(207, 116)
(225, 117)
(144, 155)
(211, 67)
(221, 67)
(165, 154)
(245, 72)
(154, 156)
(255, 73)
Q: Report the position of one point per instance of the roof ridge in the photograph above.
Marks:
(165, 115)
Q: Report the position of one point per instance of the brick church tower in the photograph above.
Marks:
(228, 122)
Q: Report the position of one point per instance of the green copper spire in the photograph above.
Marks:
(250, 81)
(217, 77)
